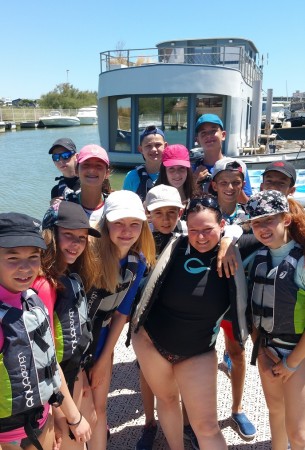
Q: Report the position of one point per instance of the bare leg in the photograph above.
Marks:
(148, 400)
(159, 374)
(197, 380)
(273, 390)
(238, 373)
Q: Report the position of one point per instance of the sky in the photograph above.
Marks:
(48, 43)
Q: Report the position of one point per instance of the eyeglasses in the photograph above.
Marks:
(207, 202)
(64, 155)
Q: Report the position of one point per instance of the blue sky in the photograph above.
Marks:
(41, 41)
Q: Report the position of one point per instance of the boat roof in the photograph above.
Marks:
(201, 41)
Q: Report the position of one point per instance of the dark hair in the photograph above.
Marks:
(201, 204)
(188, 185)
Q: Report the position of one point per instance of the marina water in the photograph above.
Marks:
(27, 171)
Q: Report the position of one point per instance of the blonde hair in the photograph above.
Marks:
(108, 256)
(53, 265)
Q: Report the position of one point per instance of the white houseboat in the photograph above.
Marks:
(170, 86)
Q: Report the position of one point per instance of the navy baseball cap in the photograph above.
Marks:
(20, 230)
(152, 129)
(208, 118)
(66, 143)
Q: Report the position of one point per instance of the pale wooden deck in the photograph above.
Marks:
(125, 414)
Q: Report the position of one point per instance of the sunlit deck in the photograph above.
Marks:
(125, 412)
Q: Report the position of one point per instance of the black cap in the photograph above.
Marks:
(284, 167)
(63, 142)
(69, 215)
(20, 230)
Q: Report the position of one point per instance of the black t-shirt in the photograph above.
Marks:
(63, 182)
(186, 315)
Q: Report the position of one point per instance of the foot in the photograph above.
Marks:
(245, 428)
(227, 362)
(146, 441)
(190, 436)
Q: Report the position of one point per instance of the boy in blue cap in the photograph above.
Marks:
(210, 135)
(152, 144)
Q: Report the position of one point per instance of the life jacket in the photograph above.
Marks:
(72, 326)
(145, 299)
(277, 303)
(29, 375)
(102, 304)
(146, 183)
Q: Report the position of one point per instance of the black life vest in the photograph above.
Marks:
(72, 326)
(146, 183)
(277, 303)
(29, 375)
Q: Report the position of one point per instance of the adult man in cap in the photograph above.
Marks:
(63, 153)
(210, 136)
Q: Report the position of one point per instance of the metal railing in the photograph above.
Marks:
(221, 56)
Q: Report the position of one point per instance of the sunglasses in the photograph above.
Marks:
(65, 155)
(207, 202)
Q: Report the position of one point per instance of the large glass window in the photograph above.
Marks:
(209, 104)
(120, 124)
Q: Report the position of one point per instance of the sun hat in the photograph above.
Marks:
(284, 167)
(68, 215)
(162, 195)
(208, 118)
(92, 151)
(67, 143)
(176, 155)
(122, 204)
(236, 165)
(266, 203)
(152, 129)
(20, 230)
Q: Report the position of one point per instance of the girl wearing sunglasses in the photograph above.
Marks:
(177, 321)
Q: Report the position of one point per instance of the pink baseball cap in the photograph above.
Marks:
(176, 155)
(92, 151)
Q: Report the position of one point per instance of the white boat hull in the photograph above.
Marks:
(87, 115)
(59, 121)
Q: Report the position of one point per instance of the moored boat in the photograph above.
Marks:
(87, 115)
(29, 124)
(56, 119)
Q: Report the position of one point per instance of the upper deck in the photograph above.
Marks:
(234, 53)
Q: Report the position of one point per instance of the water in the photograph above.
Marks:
(27, 171)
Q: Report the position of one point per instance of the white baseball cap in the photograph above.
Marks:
(234, 164)
(162, 195)
(122, 204)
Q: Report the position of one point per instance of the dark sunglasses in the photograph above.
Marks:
(207, 202)
(65, 155)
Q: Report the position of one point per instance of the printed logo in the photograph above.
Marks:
(195, 266)
(72, 330)
(28, 391)
(283, 274)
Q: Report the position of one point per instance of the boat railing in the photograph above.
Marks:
(235, 58)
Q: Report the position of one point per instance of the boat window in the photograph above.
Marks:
(213, 104)
(120, 134)
(166, 112)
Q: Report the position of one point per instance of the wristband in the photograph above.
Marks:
(291, 369)
(76, 423)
